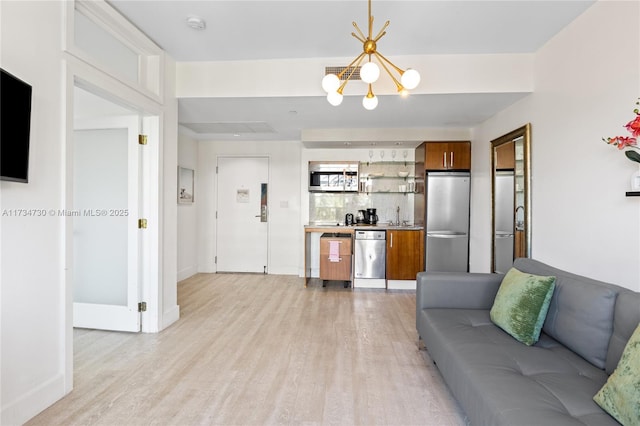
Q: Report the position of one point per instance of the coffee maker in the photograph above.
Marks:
(360, 217)
(370, 217)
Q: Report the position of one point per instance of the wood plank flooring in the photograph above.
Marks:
(261, 349)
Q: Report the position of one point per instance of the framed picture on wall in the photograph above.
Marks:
(185, 185)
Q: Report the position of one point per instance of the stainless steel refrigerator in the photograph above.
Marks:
(503, 216)
(447, 221)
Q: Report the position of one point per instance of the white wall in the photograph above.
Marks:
(35, 339)
(187, 213)
(587, 79)
(32, 282)
(285, 239)
(167, 245)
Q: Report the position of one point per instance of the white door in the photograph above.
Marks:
(242, 216)
(106, 181)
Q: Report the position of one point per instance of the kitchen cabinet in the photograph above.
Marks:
(405, 254)
(447, 155)
(387, 176)
(338, 268)
(506, 156)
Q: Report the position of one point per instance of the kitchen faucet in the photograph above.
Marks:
(519, 223)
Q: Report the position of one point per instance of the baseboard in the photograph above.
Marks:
(170, 316)
(185, 273)
(33, 402)
(369, 283)
(401, 284)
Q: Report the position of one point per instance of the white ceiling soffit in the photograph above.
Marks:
(233, 128)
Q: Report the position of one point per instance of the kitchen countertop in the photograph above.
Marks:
(353, 228)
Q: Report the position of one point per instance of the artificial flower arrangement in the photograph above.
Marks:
(622, 142)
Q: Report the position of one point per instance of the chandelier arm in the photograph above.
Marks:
(359, 57)
(398, 85)
(359, 32)
(382, 31)
(370, 26)
(382, 58)
(361, 40)
(353, 69)
(379, 37)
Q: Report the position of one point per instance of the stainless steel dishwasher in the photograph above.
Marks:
(370, 259)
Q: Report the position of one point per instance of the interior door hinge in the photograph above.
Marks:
(216, 169)
(142, 307)
(142, 139)
(142, 223)
(215, 260)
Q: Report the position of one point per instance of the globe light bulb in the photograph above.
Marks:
(369, 72)
(410, 79)
(334, 98)
(370, 102)
(330, 83)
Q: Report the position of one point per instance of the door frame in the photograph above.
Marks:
(270, 190)
(77, 72)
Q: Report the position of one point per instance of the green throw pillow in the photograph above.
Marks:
(620, 396)
(521, 304)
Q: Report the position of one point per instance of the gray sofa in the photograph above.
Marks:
(500, 381)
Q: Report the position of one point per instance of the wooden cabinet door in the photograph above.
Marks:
(339, 270)
(506, 156)
(435, 155)
(405, 254)
(447, 156)
(459, 156)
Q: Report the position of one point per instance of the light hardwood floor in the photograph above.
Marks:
(261, 349)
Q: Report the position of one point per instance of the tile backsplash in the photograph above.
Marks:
(331, 208)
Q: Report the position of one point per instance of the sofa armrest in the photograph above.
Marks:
(460, 290)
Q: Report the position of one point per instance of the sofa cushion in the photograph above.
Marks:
(620, 396)
(580, 313)
(521, 305)
(499, 381)
(626, 318)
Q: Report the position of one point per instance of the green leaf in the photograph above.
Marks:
(633, 156)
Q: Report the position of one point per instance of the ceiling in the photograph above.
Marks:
(263, 29)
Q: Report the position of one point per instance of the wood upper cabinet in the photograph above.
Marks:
(447, 155)
(506, 156)
(405, 254)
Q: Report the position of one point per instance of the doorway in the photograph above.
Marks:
(107, 192)
(242, 218)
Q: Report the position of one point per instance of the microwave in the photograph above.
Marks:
(333, 176)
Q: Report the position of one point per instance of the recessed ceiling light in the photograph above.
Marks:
(196, 23)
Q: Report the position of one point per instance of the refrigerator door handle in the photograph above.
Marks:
(446, 234)
(504, 235)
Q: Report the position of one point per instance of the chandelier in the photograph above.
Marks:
(369, 73)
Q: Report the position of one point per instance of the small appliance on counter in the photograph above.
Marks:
(360, 217)
(370, 217)
(348, 220)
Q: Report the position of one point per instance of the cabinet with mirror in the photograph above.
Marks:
(510, 198)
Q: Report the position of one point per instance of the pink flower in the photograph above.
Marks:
(634, 126)
(621, 142)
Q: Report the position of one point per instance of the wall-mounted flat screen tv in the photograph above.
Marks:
(15, 128)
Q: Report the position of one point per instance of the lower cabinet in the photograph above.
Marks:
(405, 254)
(337, 267)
